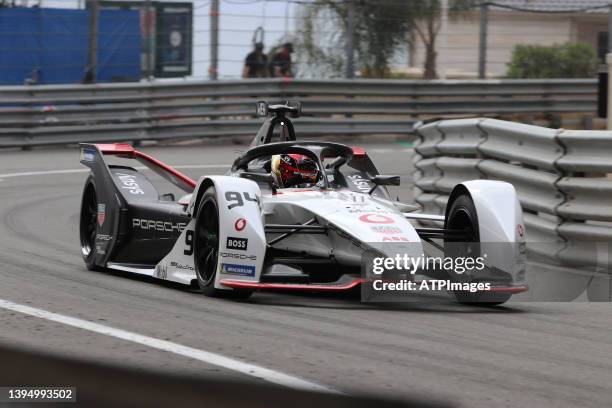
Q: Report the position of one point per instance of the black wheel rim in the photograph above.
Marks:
(462, 220)
(207, 241)
(468, 245)
(89, 220)
(465, 222)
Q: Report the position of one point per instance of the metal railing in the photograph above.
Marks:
(54, 114)
(561, 177)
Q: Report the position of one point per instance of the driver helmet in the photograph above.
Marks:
(295, 170)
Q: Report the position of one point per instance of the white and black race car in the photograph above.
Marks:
(250, 230)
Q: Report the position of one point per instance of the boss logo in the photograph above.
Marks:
(237, 243)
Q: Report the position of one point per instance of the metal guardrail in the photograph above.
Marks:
(561, 177)
(55, 114)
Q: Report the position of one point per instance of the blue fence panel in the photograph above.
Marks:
(119, 46)
(64, 37)
(50, 46)
(19, 44)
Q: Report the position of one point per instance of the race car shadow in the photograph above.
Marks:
(350, 300)
(150, 279)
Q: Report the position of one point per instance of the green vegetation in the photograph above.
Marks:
(571, 60)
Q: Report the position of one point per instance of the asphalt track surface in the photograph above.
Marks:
(524, 354)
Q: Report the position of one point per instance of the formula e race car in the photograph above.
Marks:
(288, 215)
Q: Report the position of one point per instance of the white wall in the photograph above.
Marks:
(505, 30)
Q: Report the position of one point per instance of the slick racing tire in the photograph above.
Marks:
(88, 224)
(206, 248)
(462, 216)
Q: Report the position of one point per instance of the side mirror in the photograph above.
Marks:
(296, 108)
(167, 197)
(337, 162)
(261, 178)
(381, 180)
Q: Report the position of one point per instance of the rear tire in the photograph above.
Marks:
(206, 248)
(88, 224)
(463, 216)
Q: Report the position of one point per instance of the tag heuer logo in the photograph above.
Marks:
(101, 213)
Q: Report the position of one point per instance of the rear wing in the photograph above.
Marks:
(90, 153)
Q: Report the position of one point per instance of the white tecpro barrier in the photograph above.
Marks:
(563, 179)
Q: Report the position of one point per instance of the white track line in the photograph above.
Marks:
(43, 173)
(68, 171)
(252, 370)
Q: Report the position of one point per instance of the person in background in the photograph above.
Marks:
(256, 63)
(281, 62)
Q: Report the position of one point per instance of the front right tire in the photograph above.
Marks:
(88, 224)
(462, 216)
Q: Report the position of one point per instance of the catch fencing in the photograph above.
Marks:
(562, 178)
(59, 114)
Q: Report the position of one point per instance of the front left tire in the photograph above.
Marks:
(206, 248)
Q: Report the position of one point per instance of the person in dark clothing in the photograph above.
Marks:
(281, 62)
(256, 63)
